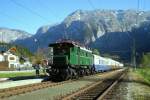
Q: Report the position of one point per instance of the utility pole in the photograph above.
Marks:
(133, 38)
(36, 43)
(2, 41)
(133, 53)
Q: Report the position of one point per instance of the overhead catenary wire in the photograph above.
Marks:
(138, 5)
(12, 18)
(91, 4)
(48, 8)
(56, 16)
(121, 51)
(144, 5)
(29, 10)
(133, 60)
(137, 11)
(117, 51)
(94, 8)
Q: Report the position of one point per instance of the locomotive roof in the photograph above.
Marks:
(70, 44)
(58, 43)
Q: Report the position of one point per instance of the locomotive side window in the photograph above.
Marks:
(87, 54)
(78, 51)
(60, 49)
(72, 49)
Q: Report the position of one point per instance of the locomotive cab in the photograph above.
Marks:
(70, 61)
(60, 54)
(60, 61)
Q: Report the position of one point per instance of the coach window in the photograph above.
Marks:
(78, 51)
(86, 54)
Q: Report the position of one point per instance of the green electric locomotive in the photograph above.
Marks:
(70, 60)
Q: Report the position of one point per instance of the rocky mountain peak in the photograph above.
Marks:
(88, 27)
(8, 35)
(78, 15)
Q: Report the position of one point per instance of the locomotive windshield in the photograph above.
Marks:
(60, 48)
(60, 53)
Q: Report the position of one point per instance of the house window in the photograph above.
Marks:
(11, 58)
(12, 65)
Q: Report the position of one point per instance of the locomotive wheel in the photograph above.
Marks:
(81, 73)
(73, 73)
(87, 72)
(64, 74)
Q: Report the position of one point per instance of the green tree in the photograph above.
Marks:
(38, 57)
(145, 60)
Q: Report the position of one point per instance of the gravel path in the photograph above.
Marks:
(50, 93)
(53, 92)
(131, 88)
(137, 88)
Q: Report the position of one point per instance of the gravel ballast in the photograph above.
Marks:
(56, 91)
(132, 87)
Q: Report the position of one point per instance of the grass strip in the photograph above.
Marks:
(145, 73)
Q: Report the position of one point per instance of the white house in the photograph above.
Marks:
(2, 58)
(13, 60)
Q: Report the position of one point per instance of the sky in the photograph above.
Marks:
(29, 15)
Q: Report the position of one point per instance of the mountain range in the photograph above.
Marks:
(107, 30)
(9, 35)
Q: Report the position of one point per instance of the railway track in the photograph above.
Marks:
(98, 90)
(5, 93)
(105, 95)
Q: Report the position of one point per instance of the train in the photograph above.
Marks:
(70, 60)
(103, 64)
